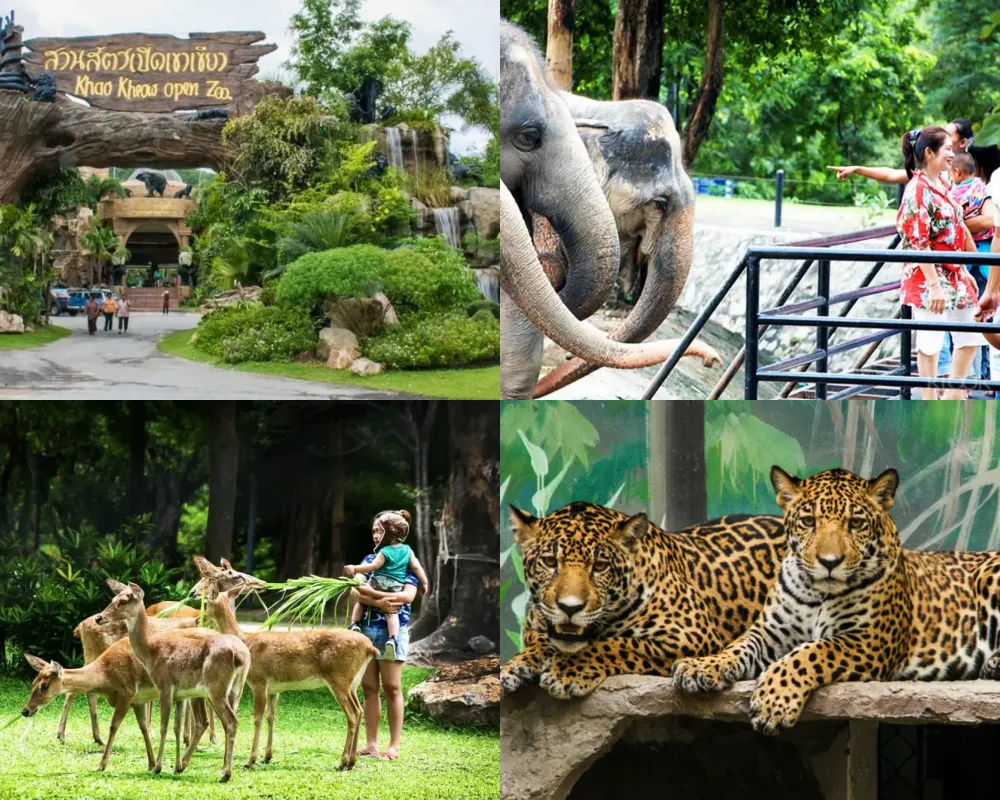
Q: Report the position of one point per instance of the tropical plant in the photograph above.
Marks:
(101, 242)
(432, 187)
(318, 231)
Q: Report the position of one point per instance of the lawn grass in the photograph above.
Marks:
(43, 334)
(435, 763)
(473, 383)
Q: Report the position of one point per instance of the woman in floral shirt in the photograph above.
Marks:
(930, 219)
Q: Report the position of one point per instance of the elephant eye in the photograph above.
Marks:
(528, 139)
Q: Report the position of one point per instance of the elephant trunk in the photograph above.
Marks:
(522, 278)
(671, 243)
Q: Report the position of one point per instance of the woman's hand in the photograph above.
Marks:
(386, 606)
(936, 298)
(844, 172)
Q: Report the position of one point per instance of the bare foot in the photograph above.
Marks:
(370, 750)
(391, 754)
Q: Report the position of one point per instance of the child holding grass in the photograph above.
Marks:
(387, 568)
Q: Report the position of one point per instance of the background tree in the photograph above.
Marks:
(638, 49)
(559, 43)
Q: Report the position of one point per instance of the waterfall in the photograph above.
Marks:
(413, 141)
(446, 223)
(394, 145)
(488, 281)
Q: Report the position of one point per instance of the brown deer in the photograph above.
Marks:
(117, 676)
(284, 661)
(96, 638)
(174, 610)
(182, 667)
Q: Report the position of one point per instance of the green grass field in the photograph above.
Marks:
(39, 336)
(435, 763)
(473, 383)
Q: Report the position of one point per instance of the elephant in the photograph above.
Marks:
(546, 170)
(636, 153)
(155, 183)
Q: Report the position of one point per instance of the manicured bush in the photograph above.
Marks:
(484, 305)
(255, 332)
(423, 275)
(437, 341)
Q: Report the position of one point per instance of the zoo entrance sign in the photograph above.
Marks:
(141, 72)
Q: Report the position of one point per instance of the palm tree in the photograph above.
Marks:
(318, 231)
(102, 243)
(98, 188)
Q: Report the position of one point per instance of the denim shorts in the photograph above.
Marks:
(378, 634)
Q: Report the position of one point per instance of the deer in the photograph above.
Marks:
(181, 667)
(95, 639)
(172, 609)
(284, 661)
(116, 675)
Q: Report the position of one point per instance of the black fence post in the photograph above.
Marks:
(906, 351)
(823, 332)
(779, 188)
(753, 307)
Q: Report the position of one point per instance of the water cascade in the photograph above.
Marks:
(446, 222)
(413, 141)
(395, 147)
(488, 281)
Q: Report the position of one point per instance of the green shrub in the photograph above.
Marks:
(437, 341)
(423, 275)
(255, 332)
(491, 306)
(43, 596)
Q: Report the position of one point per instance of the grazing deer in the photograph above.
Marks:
(285, 661)
(96, 638)
(224, 578)
(176, 610)
(183, 667)
(117, 676)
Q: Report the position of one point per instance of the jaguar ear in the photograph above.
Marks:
(632, 531)
(882, 489)
(523, 524)
(786, 487)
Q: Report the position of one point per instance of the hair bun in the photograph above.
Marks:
(405, 515)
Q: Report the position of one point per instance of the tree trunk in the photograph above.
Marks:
(332, 551)
(559, 43)
(700, 118)
(638, 49)
(38, 138)
(467, 592)
(137, 457)
(167, 515)
(223, 464)
(685, 495)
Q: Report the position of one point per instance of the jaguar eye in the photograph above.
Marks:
(858, 522)
(808, 520)
(549, 561)
(527, 139)
(601, 565)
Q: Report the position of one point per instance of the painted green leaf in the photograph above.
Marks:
(541, 499)
(539, 461)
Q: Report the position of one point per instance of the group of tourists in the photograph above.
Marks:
(951, 203)
(109, 309)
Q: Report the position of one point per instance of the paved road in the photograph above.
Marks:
(108, 366)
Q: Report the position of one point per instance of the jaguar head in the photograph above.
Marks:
(579, 565)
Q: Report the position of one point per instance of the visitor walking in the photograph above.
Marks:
(109, 309)
(166, 301)
(123, 309)
(93, 311)
(930, 219)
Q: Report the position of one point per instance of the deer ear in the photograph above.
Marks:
(234, 592)
(58, 668)
(37, 664)
(225, 564)
(116, 586)
(136, 590)
(207, 567)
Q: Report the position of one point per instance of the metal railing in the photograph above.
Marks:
(713, 304)
(792, 315)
